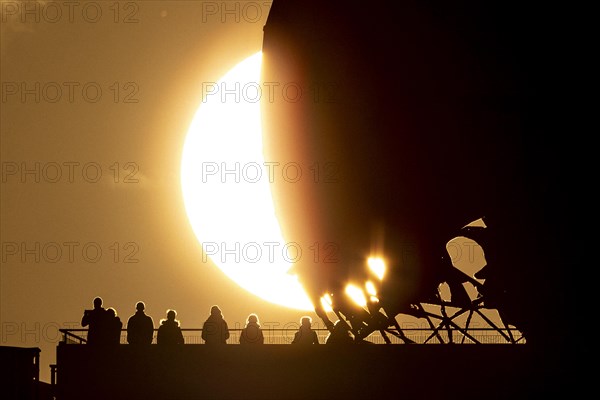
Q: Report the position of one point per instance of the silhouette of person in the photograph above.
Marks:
(95, 319)
(113, 326)
(305, 334)
(252, 333)
(169, 332)
(140, 327)
(215, 329)
(340, 334)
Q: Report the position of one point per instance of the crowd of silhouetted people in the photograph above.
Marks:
(105, 326)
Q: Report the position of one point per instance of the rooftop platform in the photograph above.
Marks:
(284, 371)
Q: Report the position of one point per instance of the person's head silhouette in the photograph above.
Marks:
(171, 314)
(140, 306)
(98, 302)
(215, 311)
(305, 322)
(252, 319)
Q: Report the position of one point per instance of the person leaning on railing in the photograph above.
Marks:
(140, 327)
(305, 334)
(252, 333)
(215, 329)
(169, 332)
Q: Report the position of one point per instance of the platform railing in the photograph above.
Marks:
(279, 336)
(285, 336)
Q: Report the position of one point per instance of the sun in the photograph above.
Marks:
(225, 186)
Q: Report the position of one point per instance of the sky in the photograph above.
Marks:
(97, 98)
(96, 101)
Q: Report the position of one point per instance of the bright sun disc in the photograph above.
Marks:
(226, 191)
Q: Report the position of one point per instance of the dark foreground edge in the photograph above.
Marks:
(279, 372)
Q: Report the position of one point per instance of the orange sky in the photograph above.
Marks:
(149, 60)
(96, 99)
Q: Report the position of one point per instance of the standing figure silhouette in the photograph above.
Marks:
(169, 332)
(305, 334)
(252, 333)
(96, 320)
(215, 329)
(140, 327)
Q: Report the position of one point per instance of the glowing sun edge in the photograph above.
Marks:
(235, 220)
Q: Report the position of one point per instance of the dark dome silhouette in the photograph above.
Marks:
(415, 119)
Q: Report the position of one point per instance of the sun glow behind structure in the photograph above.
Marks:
(356, 294)
(377, 266)
(225, 185)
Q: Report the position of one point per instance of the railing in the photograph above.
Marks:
(285, 336)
